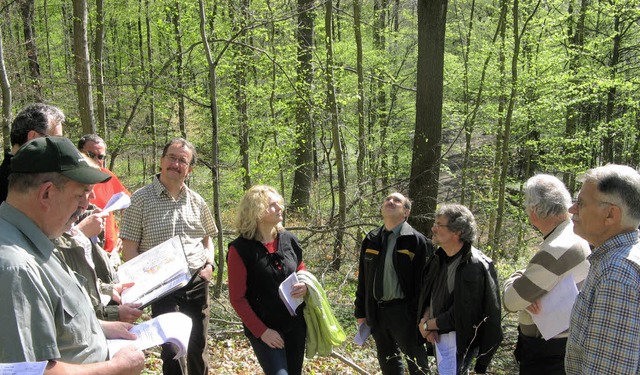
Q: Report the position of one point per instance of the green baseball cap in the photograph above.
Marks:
(56, 154)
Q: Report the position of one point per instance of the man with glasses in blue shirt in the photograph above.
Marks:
(604, 331)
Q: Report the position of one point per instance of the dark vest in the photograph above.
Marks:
(265, 272)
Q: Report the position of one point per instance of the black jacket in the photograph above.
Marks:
(265, 272)
(410, 255)
(476, 303)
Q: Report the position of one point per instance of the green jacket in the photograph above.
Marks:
(323, 330)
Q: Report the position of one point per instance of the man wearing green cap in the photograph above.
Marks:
(46, 314)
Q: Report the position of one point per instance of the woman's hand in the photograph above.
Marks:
(299, 290)
(272, 339)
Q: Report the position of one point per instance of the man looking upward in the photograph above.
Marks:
(391, 261)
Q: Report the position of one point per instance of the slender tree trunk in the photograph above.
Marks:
(612, 142)
(332, 108)
(82, 64)
(381, 9)
(27, 12)
(362, 134)
(241, 61)
(177, 29)
(152, 101)
(502, 99)
(425, 165)
(213, 106)
(6, 100)
(99, 49)
(305, 143)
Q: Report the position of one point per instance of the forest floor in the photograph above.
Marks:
(231, 354)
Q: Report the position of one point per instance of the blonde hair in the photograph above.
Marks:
(252, 208)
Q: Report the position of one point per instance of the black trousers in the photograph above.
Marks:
(539, 356)
(396, 335)
(193, 301)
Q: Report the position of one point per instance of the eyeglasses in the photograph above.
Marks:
(580, 203)
(174, 159)
(96, 156)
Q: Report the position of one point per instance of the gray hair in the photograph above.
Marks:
(547, 196)
(24, 182)
(620, 185)
(37, 117)
(460, 220)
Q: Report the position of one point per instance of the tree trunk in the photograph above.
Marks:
(213, 106)
(98, 51)
(83, 69)
(6, 100)
(305, 143)
(332, 108)
(177, 29)
(27, 11)
(241, 61)
(362, 134)
(425, 164)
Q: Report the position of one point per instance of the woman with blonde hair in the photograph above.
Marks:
(262, 256)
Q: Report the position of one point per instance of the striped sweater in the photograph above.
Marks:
(560, 254)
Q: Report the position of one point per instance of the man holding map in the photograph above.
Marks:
(561, 254)
(159, 211)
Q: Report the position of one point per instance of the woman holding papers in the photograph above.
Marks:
(259, 260)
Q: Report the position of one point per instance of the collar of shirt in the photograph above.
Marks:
(159, 188)
(613, 245)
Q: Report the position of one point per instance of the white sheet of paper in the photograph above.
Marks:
(285, 289)
(446, 354)
(117, 202)
(23, 368)
(556, 308)
(363, 333)
(172, 327)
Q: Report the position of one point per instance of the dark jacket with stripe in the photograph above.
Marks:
(409, 257)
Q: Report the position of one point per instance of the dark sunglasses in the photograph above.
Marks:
(96, 156)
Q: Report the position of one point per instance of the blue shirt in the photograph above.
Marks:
(604, 333)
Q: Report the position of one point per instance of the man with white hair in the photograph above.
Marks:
(561, 254)
(604, 333)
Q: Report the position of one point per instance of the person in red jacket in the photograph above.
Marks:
(96, 148)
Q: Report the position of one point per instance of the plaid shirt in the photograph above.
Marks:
(604, 335)
(155, 216)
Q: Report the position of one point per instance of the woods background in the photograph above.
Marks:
(336, 103)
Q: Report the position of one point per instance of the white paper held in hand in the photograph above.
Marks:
(174, 328)
(556, 308)
(285, 289)
(118, 201)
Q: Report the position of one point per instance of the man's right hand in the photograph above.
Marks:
(128, 361)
